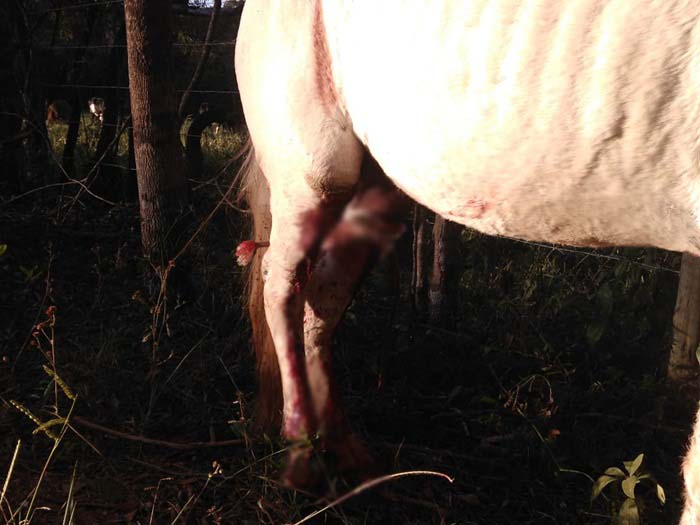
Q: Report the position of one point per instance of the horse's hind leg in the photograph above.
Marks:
(369, 226)
(308, 191)
(300, 218)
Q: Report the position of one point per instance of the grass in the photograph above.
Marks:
(552, 372)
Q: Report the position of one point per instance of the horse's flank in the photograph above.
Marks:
(539, 120)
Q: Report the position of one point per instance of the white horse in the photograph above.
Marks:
(96, 105)
(567, 121)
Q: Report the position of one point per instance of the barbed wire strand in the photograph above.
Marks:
(577, 251)
(202, 135)
(228, 43)
(84, 5)
(125, 168)
(97, 87)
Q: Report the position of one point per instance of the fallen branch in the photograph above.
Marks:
(371, 484)
(141, 439)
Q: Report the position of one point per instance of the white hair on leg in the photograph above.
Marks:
(691, 476)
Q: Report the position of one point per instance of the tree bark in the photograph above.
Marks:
(683, 361)
(441, 294)
(160, 165)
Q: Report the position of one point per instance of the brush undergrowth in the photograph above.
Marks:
(552, 372)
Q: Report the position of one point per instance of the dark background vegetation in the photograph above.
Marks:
(550, 369)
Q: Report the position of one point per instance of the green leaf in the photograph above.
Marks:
(605, 298)
(614, 471)
(629, 513)
(661, 494)
(3, 249)
(486, 400)
(632, 466)
(595, 332)
(602, 482)
(621, 269)
(628, 485)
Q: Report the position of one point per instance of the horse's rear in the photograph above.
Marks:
(564, 121)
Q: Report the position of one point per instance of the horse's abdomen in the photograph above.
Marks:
(572, 121)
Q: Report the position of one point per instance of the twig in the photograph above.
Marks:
(40, 309)
(141, 439)
(9, 472)
(371, 484)
(632, 421)
(155, 499)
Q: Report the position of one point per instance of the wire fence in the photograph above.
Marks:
(86, 5)
(231, 43)
(60, 47)
(98, 87)
(83, 5)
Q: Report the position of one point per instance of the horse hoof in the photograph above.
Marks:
(352, 459)
(303, 471)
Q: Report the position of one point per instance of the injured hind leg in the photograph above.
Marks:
(368, 228)
(301, 217)
(286, 266)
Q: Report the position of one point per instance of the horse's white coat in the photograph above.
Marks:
(569, 121)
(691, 476)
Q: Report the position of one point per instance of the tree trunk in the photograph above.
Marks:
(418, 275)
(160, 165)
(11, 150)
(33, 110)
(683, 362)
(441, 295)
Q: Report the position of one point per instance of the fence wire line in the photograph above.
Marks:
(230, 43)
(88, 86)
(108, 125)
(77, 6)
(125, 168)
(551, 247)
(555, 247)
(84, 5)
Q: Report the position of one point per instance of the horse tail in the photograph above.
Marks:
(255, 191)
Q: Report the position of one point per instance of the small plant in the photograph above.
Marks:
(628, 480)
(44, 339)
